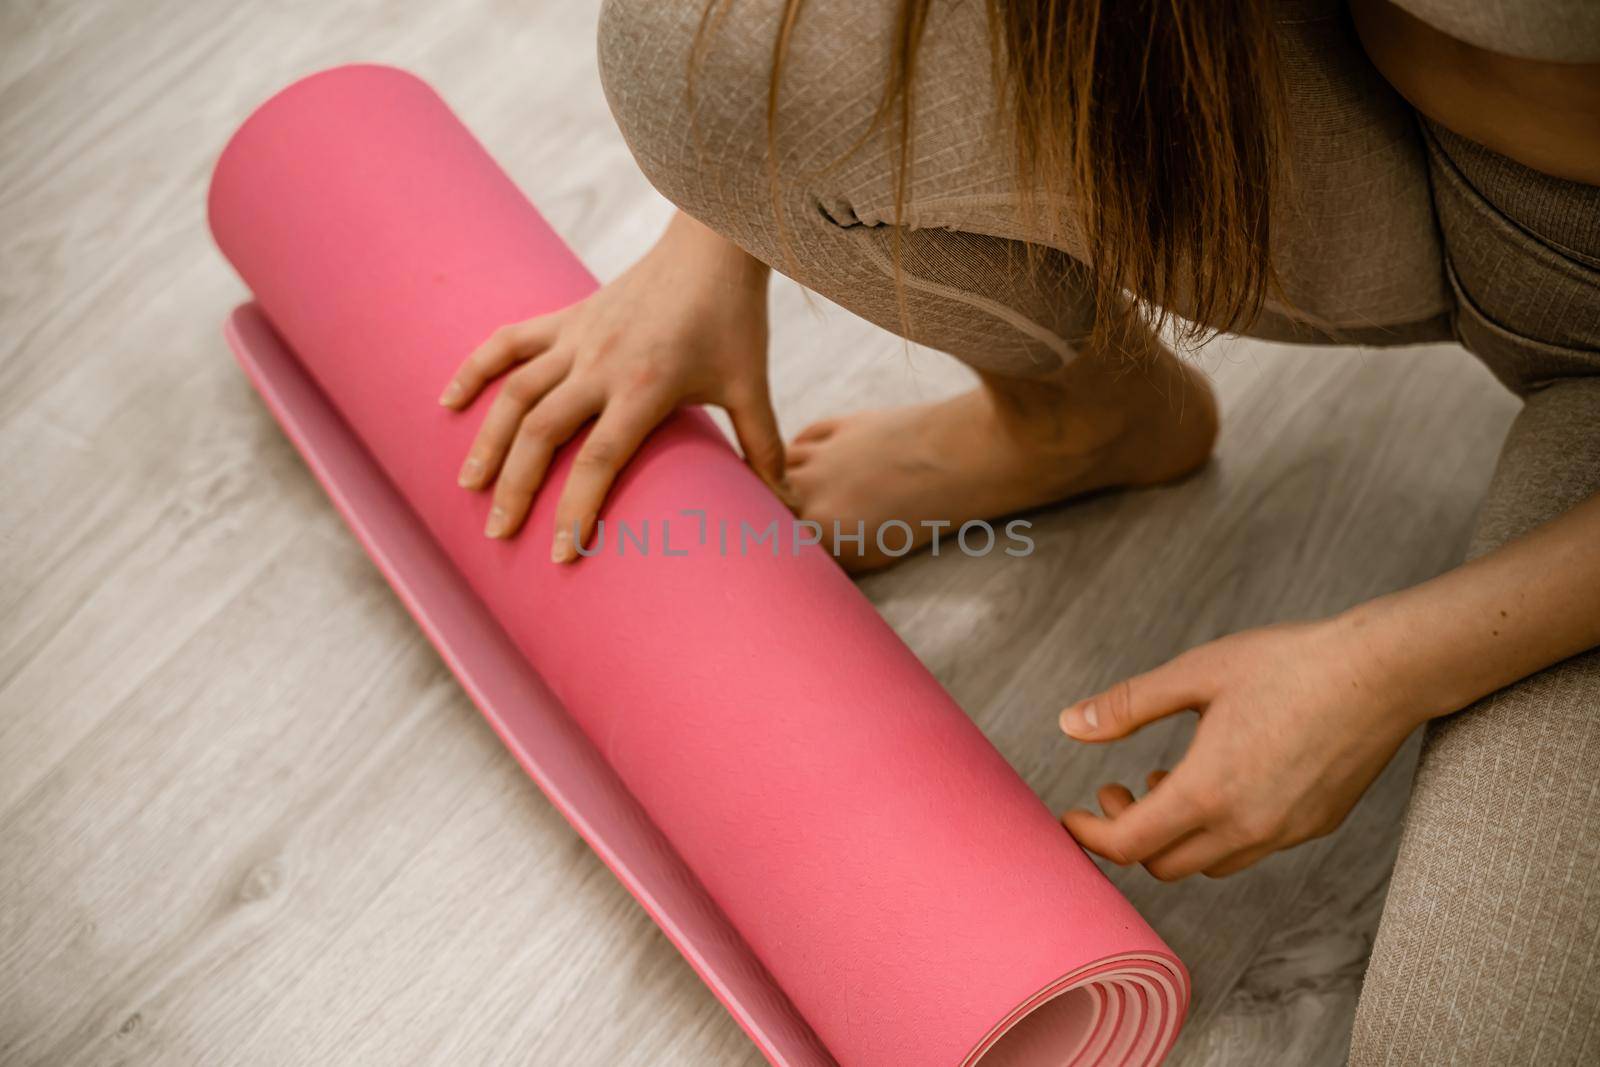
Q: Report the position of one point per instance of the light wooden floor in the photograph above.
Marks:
(245, 814)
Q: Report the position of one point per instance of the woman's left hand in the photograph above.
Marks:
(1295, 722)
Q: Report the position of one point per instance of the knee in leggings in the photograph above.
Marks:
(709, 158)
(709, 155)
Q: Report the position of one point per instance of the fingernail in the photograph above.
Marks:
(497, 523)
(471, 471)
(561, 549)
(451, 394)
(1079, 720)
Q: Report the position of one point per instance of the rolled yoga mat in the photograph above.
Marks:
(839, 853)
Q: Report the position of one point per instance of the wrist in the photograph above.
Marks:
(696, 247)
(1399, 660)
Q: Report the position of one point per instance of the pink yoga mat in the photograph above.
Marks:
(841, 855)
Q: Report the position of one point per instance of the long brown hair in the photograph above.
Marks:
(1155, 124)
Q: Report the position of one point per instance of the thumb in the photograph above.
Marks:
(757, 429)
(1139, 701)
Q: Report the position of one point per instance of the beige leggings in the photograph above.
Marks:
(1392, 233)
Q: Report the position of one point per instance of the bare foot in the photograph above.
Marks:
(1005, 447)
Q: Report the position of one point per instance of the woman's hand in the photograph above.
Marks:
(686, 324)
(1295, 722)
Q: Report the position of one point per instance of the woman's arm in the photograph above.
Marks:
(1492, 621)
(1297, 720)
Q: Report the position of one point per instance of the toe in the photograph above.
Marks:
(802, 487)
(817, 431)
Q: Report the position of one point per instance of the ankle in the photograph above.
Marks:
(1101, 399)
(1151, 386)
(1046, 416)
(1142, 421)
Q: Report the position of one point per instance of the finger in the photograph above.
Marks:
(1153, 779)
(1114, 799)
(621, 429)
(757, 429)
(521, 392)
(505, 348)
(1189, 856)
(1245, 857)
(1139, 831)
(546, 428)
(1126, 706)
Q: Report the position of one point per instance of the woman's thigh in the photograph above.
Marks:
(819, 202)
(1354, 237)
(1522, 252)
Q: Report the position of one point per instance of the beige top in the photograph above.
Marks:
(1560, 31)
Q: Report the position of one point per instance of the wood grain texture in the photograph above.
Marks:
(247, 817)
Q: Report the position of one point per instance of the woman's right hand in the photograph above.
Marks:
(687, 324)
